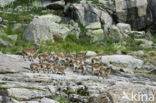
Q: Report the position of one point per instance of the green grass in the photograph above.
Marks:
(74, 44)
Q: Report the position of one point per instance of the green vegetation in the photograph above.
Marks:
(21, 11)
(72, 44)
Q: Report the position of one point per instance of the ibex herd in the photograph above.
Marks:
(59, 62)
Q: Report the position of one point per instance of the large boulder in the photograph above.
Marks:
(89, 13)
(95, 31)
(5, 2)
(134, 12)
(46, 28)
(122, 61)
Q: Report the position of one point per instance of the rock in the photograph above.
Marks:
(41, 3)
(78, 98)
(76, 27)
(95, 31)
(123, 61)
(18, 26)
(4, 43)
(29, 102)
(145, 43)
(129, 92)
(5, 2)
(104, 97)
(12, 65)
(137, 34)
(133, 12)
(91, 53)
(97, 35)
(124, 28)
(47, 100)
(26, 94)
(149, 67)
(115, 32)
(46, 27)
(58, 5)
(94, 26)
(12, 37)
(138, 53)
(88, 13)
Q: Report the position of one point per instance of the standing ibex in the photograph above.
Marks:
(29, 52)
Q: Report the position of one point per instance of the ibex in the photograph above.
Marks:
(105, 71)
(96, 60)
(29, 52)
(35, 67)
(95, 67)
(44, 57)
(76, 65)
(60, 69)
(48, 67)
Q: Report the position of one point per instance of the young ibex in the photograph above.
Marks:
(48, 67)
(96, 60)
(44, 57)
(29, 52)
(35, 67)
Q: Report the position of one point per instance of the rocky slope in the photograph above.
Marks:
(20, 85)
(133, 76)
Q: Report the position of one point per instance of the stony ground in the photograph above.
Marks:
(19, 85)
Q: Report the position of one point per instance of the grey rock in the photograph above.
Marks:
(5, 43)
(5, 2)
(91, 53)
(128, 11)
(97, 35)
(87, 13)
(12, 37)
(145, 43)
(138, 53)
(94, 26)
(18, 26)
(137, 34)
(115, 33)
(26, 94)
(46, 28)
(57, 5)
(47, 100)
(12, 64)
(124, 28)
(125, 61)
